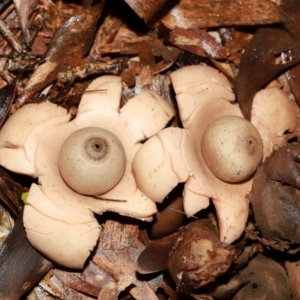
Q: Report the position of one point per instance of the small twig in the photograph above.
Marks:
(112, 67)
(4, 29)
(182, 212)
(106, 199)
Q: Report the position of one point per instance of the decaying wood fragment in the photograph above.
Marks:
(211, 13)
(197, 41)
(120, 264)
(146, 10)
(120, 233)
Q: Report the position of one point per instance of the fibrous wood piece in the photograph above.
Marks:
(120, 264)
(120, 234)
(189, 14)
(145, 9)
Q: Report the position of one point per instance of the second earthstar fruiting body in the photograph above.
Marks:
(174, 155)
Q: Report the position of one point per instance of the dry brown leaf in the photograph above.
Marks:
(155, 257)
(67, 48)
(259, 63)
(272, 50)
(267, 280)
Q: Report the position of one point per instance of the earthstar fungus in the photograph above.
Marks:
(174, 155)
(59, 222)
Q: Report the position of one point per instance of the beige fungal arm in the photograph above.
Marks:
(19, 135)
(159, 165)
(195, 85)
(274, 114)
(64, 236)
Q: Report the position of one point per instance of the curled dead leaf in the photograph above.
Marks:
(266, 280)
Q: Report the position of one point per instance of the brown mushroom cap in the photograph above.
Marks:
(92, 160)
(232, 148)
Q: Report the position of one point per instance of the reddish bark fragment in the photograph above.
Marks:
(198, 42)
(146, 9)
(189, 14)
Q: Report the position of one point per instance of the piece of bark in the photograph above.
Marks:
(120, 264)
(119, 234)
(107, 31)
(189, 14)
(112, 290)
(21, 266)
(198, 42)
(55, 289)
(146, 9)
(6, 32)
(90, 281)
